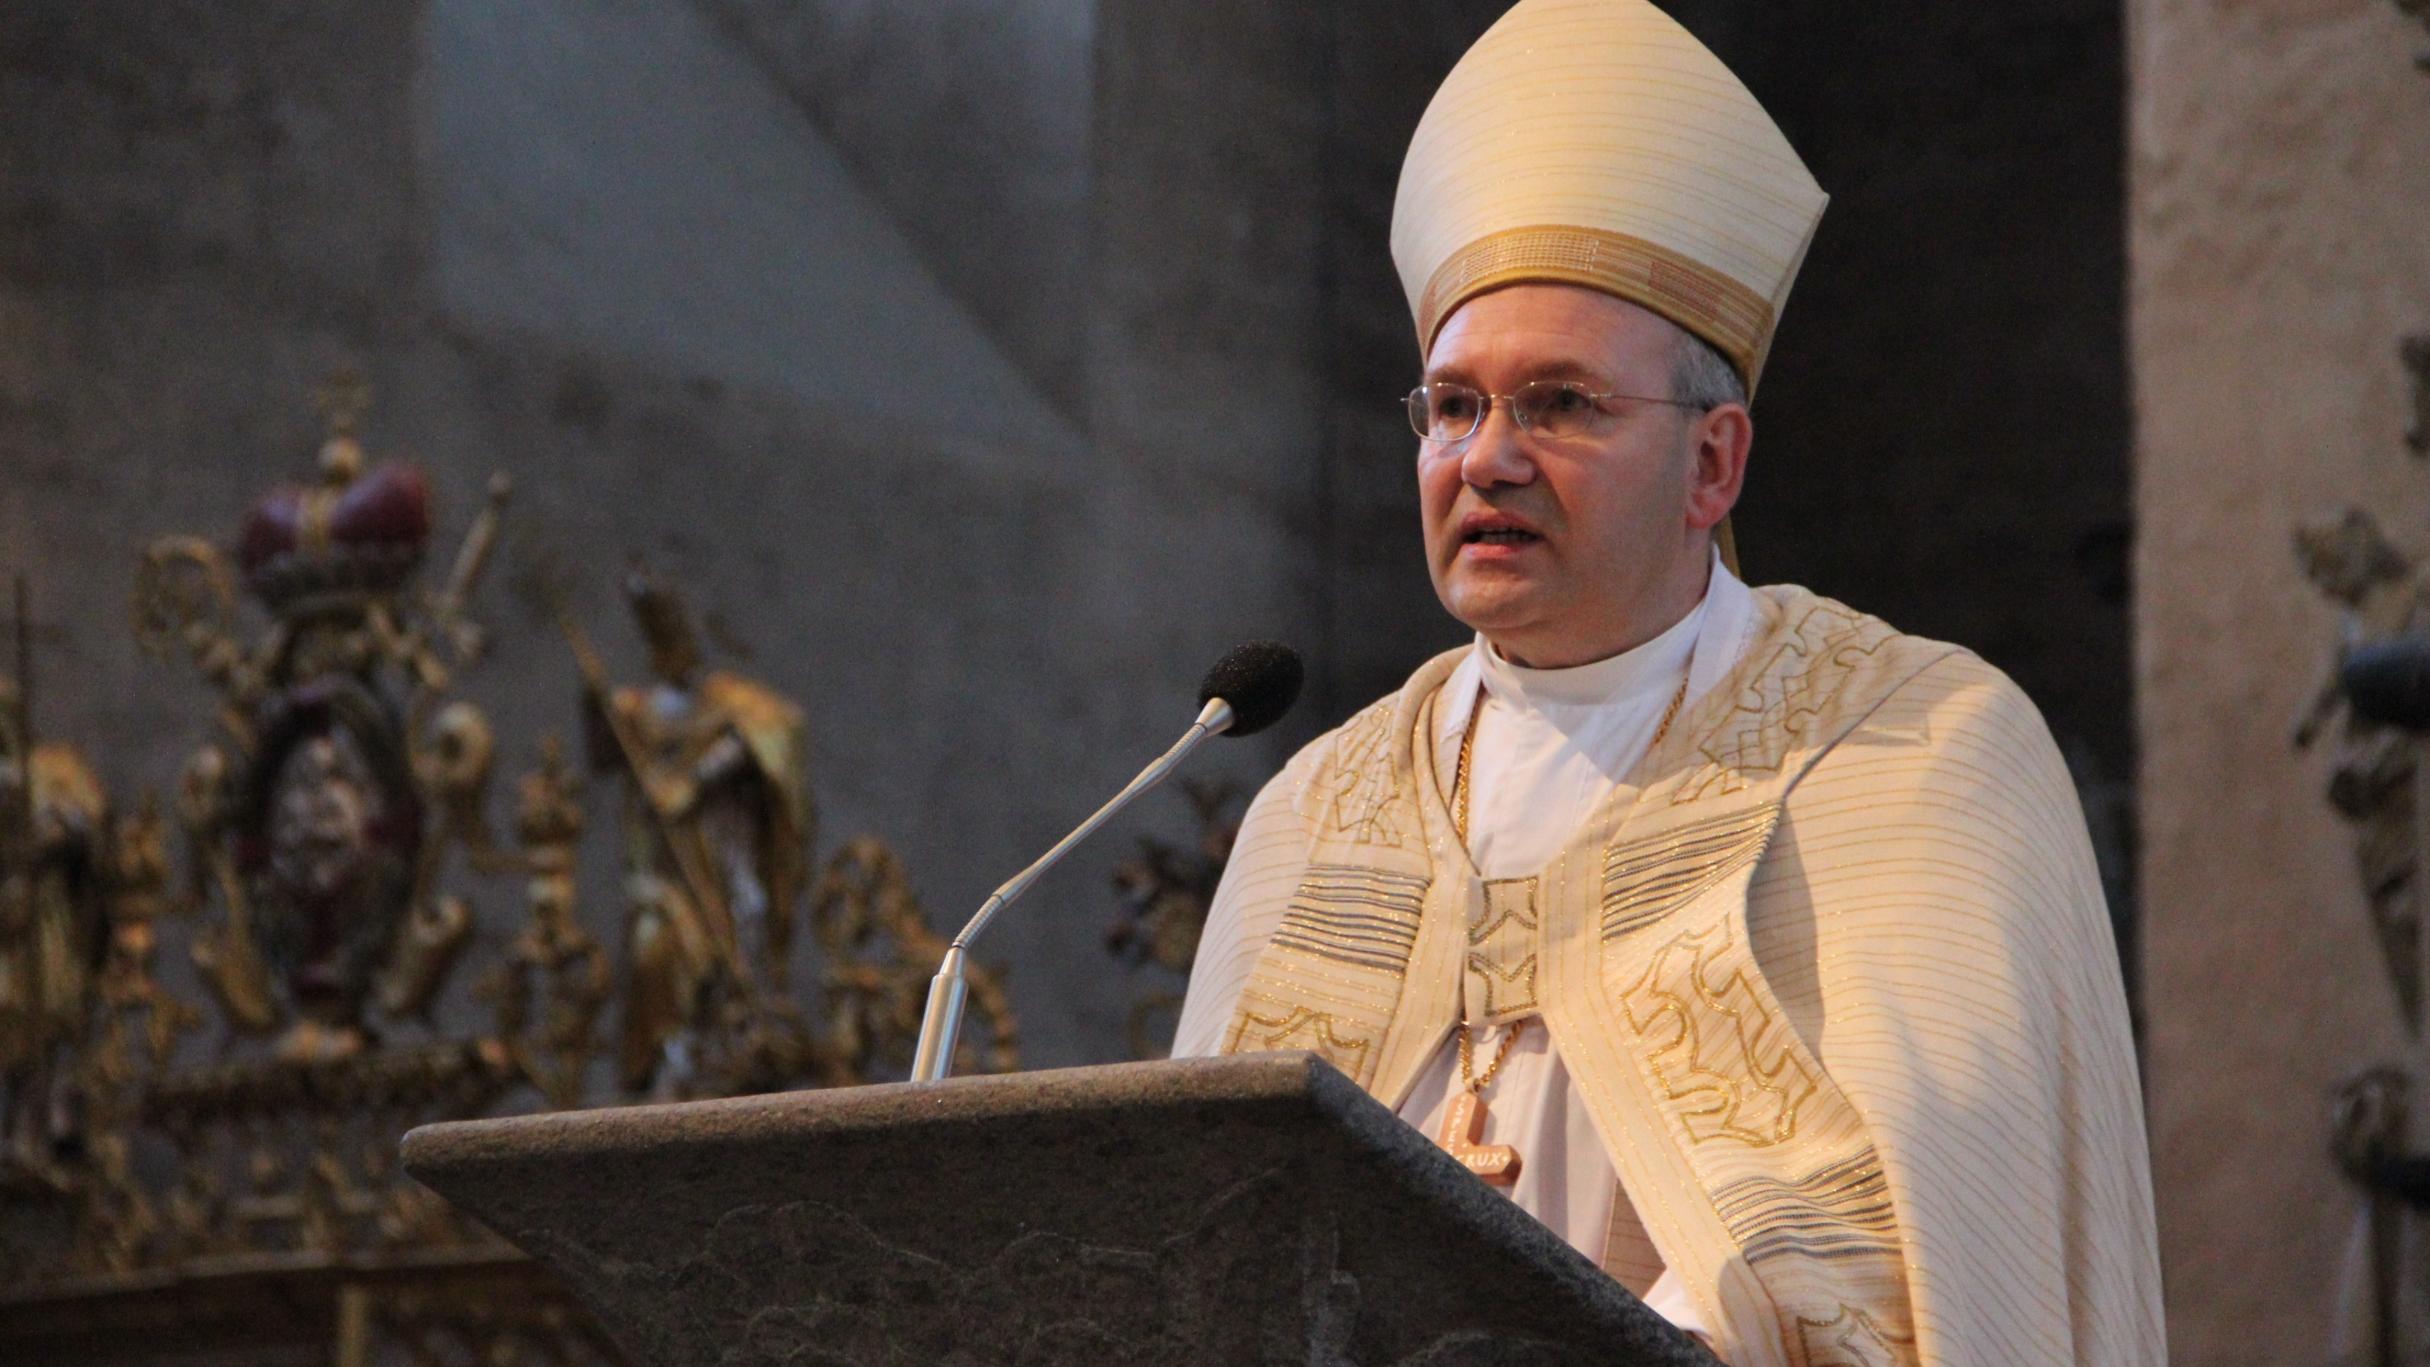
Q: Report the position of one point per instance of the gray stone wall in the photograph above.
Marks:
(628, 254)
(971, 122)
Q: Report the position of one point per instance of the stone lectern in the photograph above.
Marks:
(1257, 1209)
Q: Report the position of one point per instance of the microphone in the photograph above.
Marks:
(1248, 690)
(2384, 681)
(1258, 681)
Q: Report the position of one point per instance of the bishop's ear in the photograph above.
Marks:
(1718, 441)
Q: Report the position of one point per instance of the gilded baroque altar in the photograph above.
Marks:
(219, 1011)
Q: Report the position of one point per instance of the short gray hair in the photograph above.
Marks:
(1700, 377)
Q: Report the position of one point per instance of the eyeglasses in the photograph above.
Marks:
(1552, 409)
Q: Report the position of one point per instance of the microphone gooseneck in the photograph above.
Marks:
(1247, 691)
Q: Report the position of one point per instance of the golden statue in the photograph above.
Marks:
(136, 893)
(54, 829)
(226, 955)
(554, 960)
(717, 827)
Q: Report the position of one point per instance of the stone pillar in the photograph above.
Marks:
(2280, 187)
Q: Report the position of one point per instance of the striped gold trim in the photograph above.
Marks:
(1364, 917)
(1836, 1211)
(1647, 879)
(1735, 319)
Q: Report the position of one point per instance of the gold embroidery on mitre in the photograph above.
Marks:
(1736, 320)
(1303, 1028)
(1647, 879)
(1852, 1338)
(1366, 796)
(1731, 1068)
(1776, 709)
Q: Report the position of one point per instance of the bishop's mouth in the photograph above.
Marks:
(1500, 536)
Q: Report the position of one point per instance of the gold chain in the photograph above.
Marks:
(1459, 775)
(1459, 824)
(1500, 1057)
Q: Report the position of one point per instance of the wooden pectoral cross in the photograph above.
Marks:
(1463, 1125)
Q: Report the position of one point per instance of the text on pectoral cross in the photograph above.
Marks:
(1463, 1125)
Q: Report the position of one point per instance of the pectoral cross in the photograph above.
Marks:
(1463, 1126)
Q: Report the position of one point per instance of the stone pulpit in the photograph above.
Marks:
(1257, 1209)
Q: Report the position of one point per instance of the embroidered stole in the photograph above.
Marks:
(1748, 1170)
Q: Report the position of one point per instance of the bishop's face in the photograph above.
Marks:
(1570, 550)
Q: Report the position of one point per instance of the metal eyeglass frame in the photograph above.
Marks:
(1517, 414)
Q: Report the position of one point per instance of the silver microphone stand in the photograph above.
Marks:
(941, 1024)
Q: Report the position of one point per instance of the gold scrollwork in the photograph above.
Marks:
(1504, 941)
(1302, 1028)
(1731, 1069)
(1773, 715)
(1852, 1338)
(1367, 796)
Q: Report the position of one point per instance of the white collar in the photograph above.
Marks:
(1598, 683)
(1707, 641)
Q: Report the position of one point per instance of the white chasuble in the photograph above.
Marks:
(1828, 972)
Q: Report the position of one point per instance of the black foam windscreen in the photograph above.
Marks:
(1260, 680)
(2389, 682)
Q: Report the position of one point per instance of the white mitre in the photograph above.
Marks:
(1597, 143)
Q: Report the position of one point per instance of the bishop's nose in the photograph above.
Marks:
(1496, 453)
